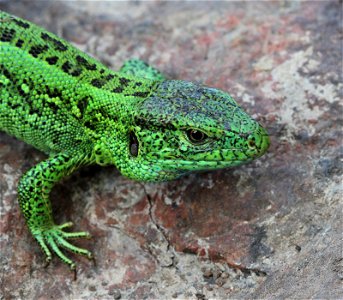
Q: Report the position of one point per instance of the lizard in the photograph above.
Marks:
(78, 112)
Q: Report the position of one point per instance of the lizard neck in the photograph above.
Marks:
(109, 118)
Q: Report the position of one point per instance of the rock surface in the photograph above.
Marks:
(270, 229)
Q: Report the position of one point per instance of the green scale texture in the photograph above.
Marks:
(79, 112)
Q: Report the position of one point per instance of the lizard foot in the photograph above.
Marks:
(55, 237)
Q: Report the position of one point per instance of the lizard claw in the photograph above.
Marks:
(55, 237)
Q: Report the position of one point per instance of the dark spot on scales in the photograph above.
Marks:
(66, 67)
(7, 35)
(20, 91)
(58, 44)
(141, 94)
(89, 125)
(19, 43)
(14, 105)
(53, 92)
(76, 73)
(118, 89)
(53, 106)
(7, 73)
(52, 60)
(124, 81)
(21, 23)
(97, 83)
(55, 140)
(83, 62)
(82, 105)
(37, 50)
(34, 110)
(109, 77)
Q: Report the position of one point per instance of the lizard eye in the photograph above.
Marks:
(196, 136)
(133, 145)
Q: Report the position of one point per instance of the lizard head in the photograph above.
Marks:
(183, 127)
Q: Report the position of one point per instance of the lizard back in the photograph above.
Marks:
(52, 94)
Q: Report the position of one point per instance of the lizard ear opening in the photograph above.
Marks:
(133, 145)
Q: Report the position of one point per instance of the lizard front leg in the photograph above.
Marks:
(34, 189)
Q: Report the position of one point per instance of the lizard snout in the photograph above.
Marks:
(258, 141)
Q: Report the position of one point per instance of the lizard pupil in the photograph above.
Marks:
(133, 144)
(196, 136)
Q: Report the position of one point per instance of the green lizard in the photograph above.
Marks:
(77, 111)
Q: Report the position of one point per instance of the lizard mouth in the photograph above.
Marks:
(199, 165)
(206, 159)
(217, 159)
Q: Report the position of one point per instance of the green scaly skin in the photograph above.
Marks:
(78, 112)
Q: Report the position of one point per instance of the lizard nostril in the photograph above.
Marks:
(252, 143)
